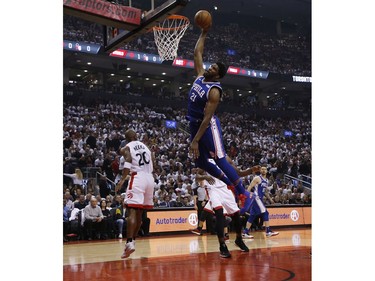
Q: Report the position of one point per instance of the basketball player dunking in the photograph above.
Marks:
(205, 130)
(139, 163)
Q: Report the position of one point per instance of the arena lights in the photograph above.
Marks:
(78, 75)
(121, 80)
(129, 76)
(89, 63)
(128, 68)
(147, 79)
(163, 73)
(85, 70)
(153, 84)
(112, 74)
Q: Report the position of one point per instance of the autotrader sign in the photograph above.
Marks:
(289, 216)
(176, 220)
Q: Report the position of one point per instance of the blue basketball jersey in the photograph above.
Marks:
(198, 97)
(261, 187)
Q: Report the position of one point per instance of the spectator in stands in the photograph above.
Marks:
(167, 203)
(69, 202)
(94, 220)
(120, 220)
(156, 202)
(99, 161)
(108, 220)
(145, 226)
(117, 202)
(161, 193)
(77, 193)
(107, 167)
(81, 203)
(88, 198)
(77, 178)
(66, 212)
(187, 202)
(276, 199)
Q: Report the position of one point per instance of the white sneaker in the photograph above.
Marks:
(269, 234)
(129, 249)
(120, 236)
(247, 236)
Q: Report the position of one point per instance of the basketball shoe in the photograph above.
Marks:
(129, 249)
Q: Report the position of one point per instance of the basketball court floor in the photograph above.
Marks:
(190, 257)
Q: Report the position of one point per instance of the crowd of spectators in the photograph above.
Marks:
(93, 136)
(236, 45)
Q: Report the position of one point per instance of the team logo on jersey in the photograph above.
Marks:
(129, 195)
(193, 219)
(294, 215)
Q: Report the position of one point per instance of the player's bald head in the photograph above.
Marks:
(130, 135)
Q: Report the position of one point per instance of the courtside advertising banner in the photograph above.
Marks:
(289, 216)
(105, 9)
(176, 220)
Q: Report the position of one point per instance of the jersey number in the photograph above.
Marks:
(142, 159)
(193, 96)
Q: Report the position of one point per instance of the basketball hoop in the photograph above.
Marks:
(167, 35)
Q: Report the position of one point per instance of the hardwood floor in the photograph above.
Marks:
(190, 257)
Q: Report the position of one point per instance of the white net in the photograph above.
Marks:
(168, 34)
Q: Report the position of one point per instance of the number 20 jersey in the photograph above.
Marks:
(141, 157)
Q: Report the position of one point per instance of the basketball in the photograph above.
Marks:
(203, 19)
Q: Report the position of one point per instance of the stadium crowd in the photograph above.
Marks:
(92, 136)
(237, 46)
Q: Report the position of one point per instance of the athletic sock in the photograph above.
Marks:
(268, 229)
(246, 230)
(220, 223)
(237, 224)
(129, 240)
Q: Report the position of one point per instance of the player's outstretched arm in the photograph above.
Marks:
(211, 105)
(198, 52)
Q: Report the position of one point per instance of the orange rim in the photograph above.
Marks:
(174, 17)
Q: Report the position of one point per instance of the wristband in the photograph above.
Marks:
(127, 165)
